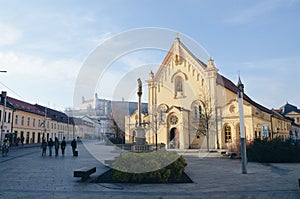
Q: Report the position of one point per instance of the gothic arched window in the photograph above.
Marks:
(162, 110)
(197, 111)
(178, 84)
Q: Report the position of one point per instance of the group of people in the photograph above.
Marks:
(56, 144)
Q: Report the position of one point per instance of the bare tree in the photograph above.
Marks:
(116, 125)
(205, 113)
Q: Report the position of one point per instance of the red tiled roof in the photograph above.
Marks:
(232, 87)
(24, 106)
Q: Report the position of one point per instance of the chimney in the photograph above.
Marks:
(3, 95)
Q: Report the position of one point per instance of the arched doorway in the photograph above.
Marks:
(174, 139)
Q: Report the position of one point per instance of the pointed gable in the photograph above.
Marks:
(177, 54)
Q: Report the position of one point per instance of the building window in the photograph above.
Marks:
(238, 131)
(162, 110)
(33, 122)
(9, 115)
(28, 121)
(16, 119)
(178, 84)
(22, 121)
(197, 111)
(227, 134)
(0, 115)
(161, 115)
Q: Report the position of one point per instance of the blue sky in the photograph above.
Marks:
(43, 44)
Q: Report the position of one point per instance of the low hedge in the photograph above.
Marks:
(155, 167)
(273, 151)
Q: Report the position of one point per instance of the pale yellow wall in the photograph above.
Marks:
(53, 128)
(199, 82)
(131, 124)
(281, 128)
(295, 116)
(18, 127)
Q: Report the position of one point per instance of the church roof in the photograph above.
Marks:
(232, 87)
(171, 52)
(287, 108)
(221, 80)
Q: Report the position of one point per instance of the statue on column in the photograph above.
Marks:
(139, 87)
(140, 138)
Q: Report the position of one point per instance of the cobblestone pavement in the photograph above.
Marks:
(26, 174)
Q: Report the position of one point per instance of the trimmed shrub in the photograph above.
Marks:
(155, 161)
(273, 151)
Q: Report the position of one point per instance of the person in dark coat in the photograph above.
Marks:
(63, 146)
(44, 147)
(56, 146)
(50, 146)
(74, 146)
(22, 140)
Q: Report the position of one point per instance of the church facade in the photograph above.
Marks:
(191, 105)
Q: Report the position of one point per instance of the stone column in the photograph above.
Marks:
(140, 131)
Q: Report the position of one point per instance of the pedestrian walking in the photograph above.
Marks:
(56, 146)
(50, 146)
(44, 147)
(17, 142)
(63, 146)
(22, 140)
(5, 147)
(74, 147)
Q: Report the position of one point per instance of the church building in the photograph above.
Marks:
(191, 105)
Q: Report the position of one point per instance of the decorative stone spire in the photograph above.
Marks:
(177, 36)
(151, 75)
(211, 63)
(240, 85)
(176, 52)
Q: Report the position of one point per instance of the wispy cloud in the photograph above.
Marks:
(272, 81)
(39, 80)
(256, 11)
(9, 34)
(26, 65)
(89, 18)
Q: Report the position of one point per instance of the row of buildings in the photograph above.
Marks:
(188, 101)
(30, 123)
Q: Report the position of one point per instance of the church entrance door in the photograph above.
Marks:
(174, 139)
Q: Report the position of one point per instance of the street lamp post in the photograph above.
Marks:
(3, 114)
(155, 131)
(242, 130)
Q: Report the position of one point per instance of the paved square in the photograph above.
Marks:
(26, 174)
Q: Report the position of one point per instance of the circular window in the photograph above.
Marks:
(232, 109)
(173, 119)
